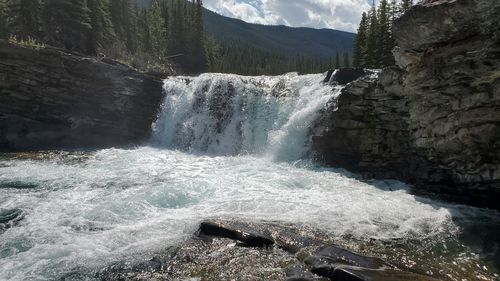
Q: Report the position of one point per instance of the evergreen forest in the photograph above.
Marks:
(147, 36)
(374, 41)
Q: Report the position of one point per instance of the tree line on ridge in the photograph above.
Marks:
(374, 41)
(147, 36)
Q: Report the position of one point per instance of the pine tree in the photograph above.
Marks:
(23, 18)
(66, 23)
(198, 37)
(394, 11)
(177, 28)
(157, 30)
(130, 25)
(360, 43)
(213, 53)
(165, 12)
(371, 50)
(337, 60)
(406, 5)
(124, 18)
(146, 45)
(3, 20)
(384, 37)
(346, 62)
(101, 32)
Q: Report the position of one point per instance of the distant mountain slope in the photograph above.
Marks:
(289, 40)
(304, 41)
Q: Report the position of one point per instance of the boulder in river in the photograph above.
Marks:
(9, 218)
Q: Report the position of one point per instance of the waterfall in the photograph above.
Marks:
(226, 114)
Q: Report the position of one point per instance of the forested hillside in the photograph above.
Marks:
(275, 49)
(144, 37)
(150, 34)
(301, 40)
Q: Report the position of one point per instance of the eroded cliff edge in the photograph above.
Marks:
(433, 120)
(51, 99)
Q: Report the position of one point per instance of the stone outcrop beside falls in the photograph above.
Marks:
(229, 249)
(50, 99)
(434, 120)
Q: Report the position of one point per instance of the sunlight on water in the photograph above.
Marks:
(227, 114)
(116, 202)
(230, 146)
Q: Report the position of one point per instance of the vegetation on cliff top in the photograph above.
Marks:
(374, 41)
(148, 35)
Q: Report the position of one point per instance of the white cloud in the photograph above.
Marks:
(335, 14)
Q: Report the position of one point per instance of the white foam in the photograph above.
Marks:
(262, 115)
(90, 209)
(134, 201)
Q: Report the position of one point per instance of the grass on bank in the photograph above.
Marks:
(28, 43)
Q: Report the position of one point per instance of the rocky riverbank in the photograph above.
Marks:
(239, 250)
(434, 119)
(52, 99)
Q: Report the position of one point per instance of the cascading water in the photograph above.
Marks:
(227, 114)
(213, 154)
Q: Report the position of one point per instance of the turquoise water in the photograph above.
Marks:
(225, 146)
(89, 209)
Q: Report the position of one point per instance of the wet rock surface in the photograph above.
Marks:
(433, 120)
(50, 99)
(218, 252)
(9, 218)
(345, 76)
(247, 238)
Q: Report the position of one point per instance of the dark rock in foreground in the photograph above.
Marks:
(247, 238)
(50, 99)
(433, 121)
(216, 253)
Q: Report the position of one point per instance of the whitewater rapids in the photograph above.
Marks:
(226, 114)
(223, 145)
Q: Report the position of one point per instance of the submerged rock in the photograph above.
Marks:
(9, 218)
(330, 256)
(350, 273)
(298, 272)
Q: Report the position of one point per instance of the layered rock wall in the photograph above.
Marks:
(50, 99)
(435, 119)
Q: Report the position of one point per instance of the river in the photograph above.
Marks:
(223, 146)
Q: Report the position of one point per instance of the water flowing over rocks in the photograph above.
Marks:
(227, 114)
(9, 218)
(50, 99)
(212, 254)
(345, 76)
(434, 120)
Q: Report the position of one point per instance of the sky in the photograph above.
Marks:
(335, 14)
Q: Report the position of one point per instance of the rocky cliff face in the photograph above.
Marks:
(50, 99)
(435, 119)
